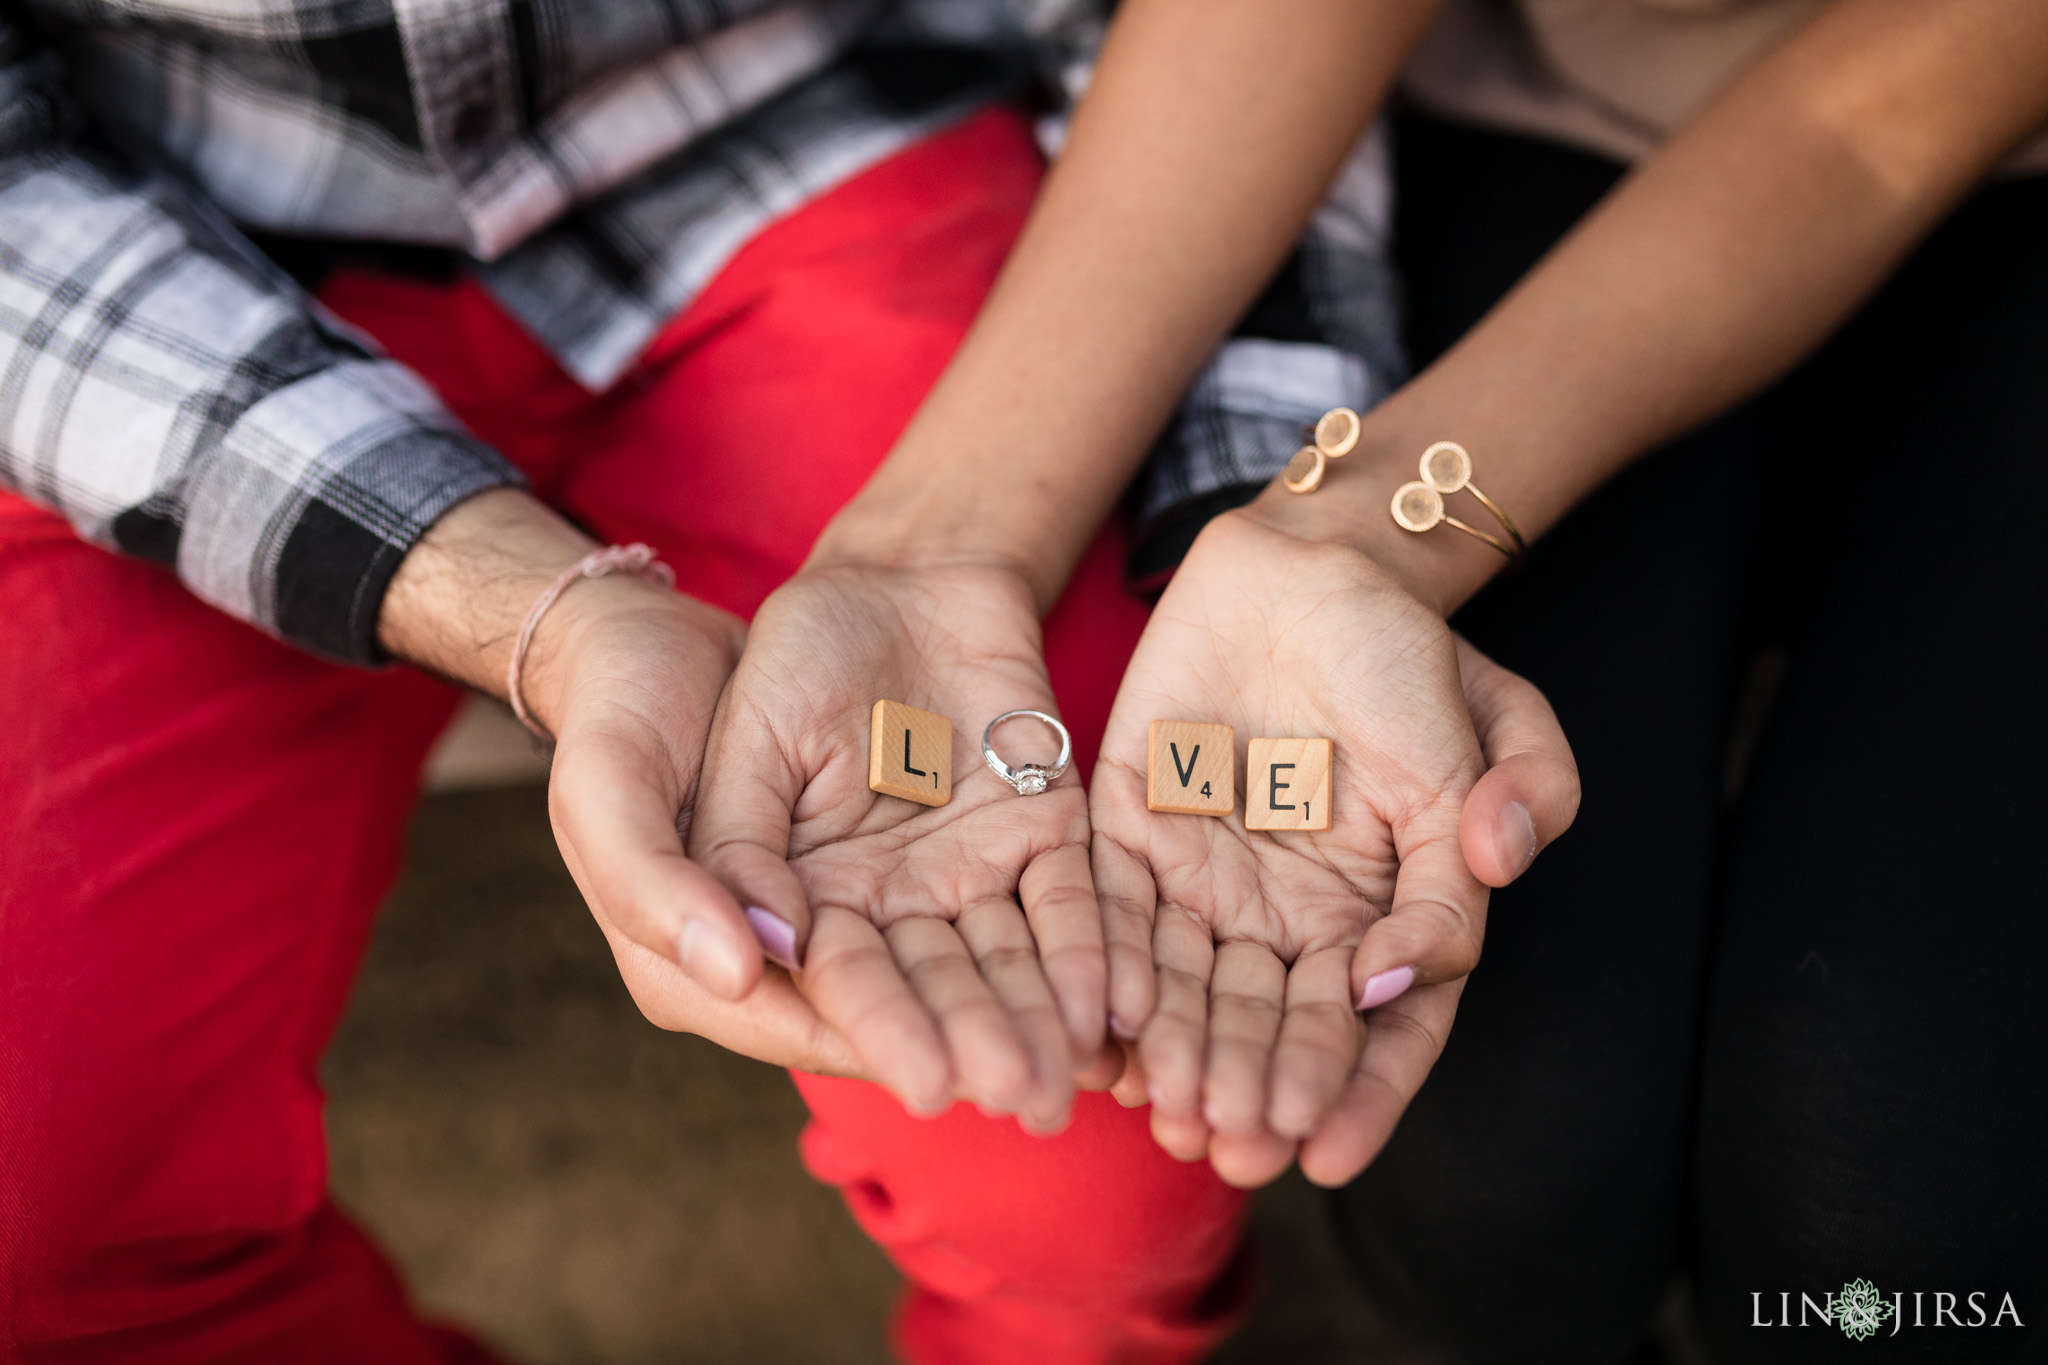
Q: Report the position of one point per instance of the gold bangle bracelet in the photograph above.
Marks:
(1446, 468)
(1334, 436)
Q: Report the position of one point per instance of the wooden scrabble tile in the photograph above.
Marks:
(1287, 784)
(1192, 769)
(910, 754)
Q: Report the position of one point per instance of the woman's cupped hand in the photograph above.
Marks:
(956, 948)
(1240, 960)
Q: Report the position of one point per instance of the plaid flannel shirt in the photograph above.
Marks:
(174, 393)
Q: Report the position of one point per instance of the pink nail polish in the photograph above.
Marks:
(1384, 987)
(777, 936)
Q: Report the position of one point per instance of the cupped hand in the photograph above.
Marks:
(957, 948)
(1240, 959)
(633, 676)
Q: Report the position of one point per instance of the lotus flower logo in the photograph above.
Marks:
(1860, 1310)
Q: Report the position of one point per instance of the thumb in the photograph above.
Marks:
(1529, 794)
(741, 831)
(1438, 920)
(615, 819)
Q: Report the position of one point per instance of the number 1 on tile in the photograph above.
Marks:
(1287, 784)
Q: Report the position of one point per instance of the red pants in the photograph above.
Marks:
(200, 823)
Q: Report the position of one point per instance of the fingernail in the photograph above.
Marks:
(1384, 987)
(1120, 1028)
(777, 935)
(708, 957)
(1517, 838)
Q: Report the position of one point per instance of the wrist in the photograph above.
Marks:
(456, 603)
(1353, 507)
(574, 636)
(937, 530)
(463, 592)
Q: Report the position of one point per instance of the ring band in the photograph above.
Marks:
(1031, 778)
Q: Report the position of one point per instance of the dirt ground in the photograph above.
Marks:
(579, 1186)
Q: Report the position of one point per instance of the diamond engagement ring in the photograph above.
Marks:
(1030, 778)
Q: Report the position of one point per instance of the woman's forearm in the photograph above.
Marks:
(1211, 131)
(1711, 271)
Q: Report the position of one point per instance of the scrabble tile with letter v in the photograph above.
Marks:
(1192, 769)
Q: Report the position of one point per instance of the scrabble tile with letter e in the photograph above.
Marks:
(1287, 784)
(1192, 769)
(910, 754)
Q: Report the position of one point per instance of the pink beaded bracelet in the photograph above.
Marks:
(634, 559)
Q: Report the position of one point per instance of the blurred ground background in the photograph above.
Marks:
(579, 1186)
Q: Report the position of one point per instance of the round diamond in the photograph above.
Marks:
(1031, 782)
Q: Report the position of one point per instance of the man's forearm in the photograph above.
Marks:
(1211, 132)
(1717, 266)
(460, 595)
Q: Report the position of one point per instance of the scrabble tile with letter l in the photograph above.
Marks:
(1287, 784)
(910, 754)
(1192, 769)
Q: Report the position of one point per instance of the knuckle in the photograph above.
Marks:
(646, 927)
(941, 982)
(1238, 1038)
(1072, 957)
(1315, 1019)
(1464, 958)
(1429, 920)
(1405, 1025)
(1570, 794)
(1511, 689)
(1123, 914)
(1004, 959)
(1241, 1004)
(1062, 894)
(873, 1018)
(839, 970)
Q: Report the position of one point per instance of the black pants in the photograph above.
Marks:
(1798, 1037)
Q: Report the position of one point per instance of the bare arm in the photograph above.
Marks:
(1723, 260)
(1709, 272)
(960, 946)
(1211, 131)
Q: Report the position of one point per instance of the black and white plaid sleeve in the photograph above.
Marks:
(600, 282)
(176, 398)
